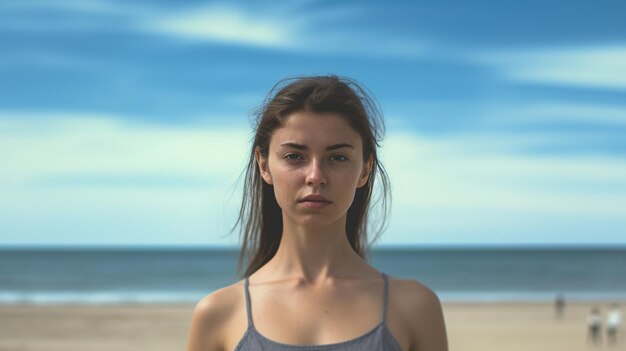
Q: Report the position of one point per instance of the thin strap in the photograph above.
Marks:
(248, 308)
(384, 297)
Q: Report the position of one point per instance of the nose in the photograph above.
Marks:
(315, 174)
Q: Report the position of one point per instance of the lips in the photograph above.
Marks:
(314, 198)
(314, 202)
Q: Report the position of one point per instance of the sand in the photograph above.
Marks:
(471, 327)
(522, 326)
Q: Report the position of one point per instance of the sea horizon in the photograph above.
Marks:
(75, 274)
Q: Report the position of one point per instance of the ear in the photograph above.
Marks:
(367, 169)
(263, 166)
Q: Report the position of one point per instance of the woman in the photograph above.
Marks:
(304, 214)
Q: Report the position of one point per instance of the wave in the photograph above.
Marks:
(190, 297)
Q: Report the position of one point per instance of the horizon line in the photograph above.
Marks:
(386, 247)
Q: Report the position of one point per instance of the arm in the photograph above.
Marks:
(204, 332)
(427, 324)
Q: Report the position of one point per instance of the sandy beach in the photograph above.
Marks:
(471, 327)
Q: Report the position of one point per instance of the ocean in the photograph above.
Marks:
(131, 275)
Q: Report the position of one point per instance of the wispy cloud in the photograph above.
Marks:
(291, 28)
(476, 171)
(297, 27)
(456, 190)
(594, 66)
(68, 168)
(227, 24)
(611, 115)
(526, 125)
(458, 148)
(119, 181)
(45, 149)
(72, 17)
(75, 6)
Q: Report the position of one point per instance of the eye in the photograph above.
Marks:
(338, 158)
(292, 157)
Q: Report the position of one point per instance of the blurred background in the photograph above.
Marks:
(124, 127)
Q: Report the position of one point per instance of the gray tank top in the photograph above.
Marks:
(377, 339)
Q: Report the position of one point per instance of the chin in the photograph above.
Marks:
(318, 221)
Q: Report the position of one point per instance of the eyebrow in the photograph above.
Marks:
(329, 148)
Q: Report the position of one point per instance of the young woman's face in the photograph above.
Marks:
(315, 163)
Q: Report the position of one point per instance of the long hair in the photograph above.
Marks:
(260, 217)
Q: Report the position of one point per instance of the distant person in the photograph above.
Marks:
(594, 326)
(613, 322)
(311, 171)
(559, 305)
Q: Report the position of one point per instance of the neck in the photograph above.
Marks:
(313, 255)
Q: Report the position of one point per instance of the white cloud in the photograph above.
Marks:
(464, 172)
(290, 28)
(444, 187)
(46, 146)
(77, 6)
(227, 24)
(559, 111)
(72, 16)
(47, 157)
(581, 66)
(458, 190)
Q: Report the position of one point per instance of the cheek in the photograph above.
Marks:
(283, 184)
(346, 185)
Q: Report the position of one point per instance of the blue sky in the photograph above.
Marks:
(127, 123)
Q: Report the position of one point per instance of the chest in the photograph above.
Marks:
(315, 318)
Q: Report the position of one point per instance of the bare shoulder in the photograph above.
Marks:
(412, 293)
(421, 312)
(211, 317)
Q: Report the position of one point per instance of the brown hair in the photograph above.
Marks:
(260, 217)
